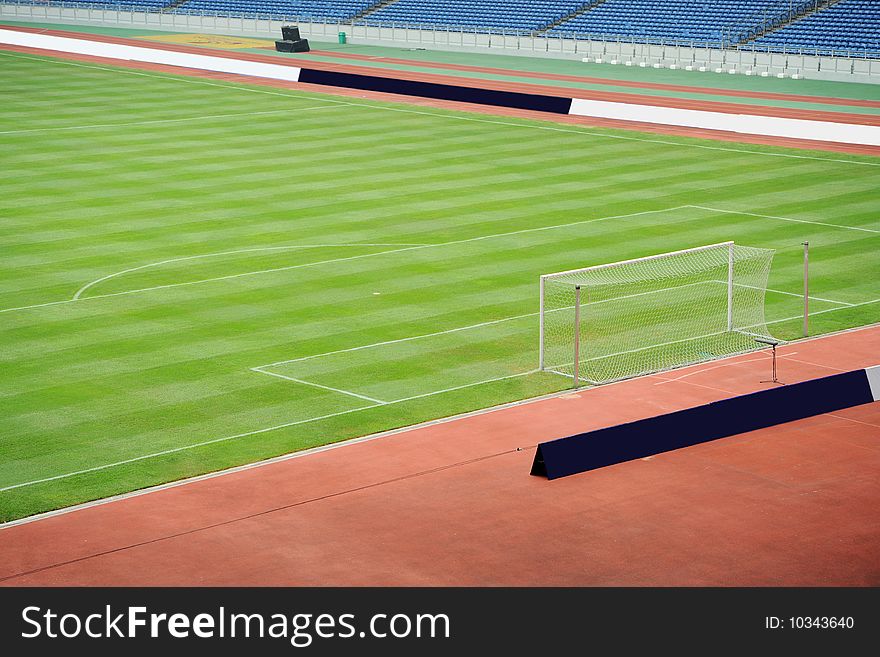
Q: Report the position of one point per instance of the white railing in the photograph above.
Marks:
(769, 18)
(692, 55)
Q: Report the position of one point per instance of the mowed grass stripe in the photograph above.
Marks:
(115, 378)
(303, 278)
(173, 283)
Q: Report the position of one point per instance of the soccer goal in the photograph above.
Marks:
(624, 319)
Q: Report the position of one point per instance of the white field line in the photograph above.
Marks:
(407, 248)
(791, 294)
(164, 121)
(318, 385)
(345, 412)
(359, 257)
(670, 368)
(461, 328)
(809, 362)
(506, 319)
(715, 367)
(324, 262)
(822, 312)
(402, 399)
(439, 115)
(225, 253)
(465, 385)
(455, 117)
(562, 374)
(797, 221)
(182, 448)
(650, 346)
(102, 296)
(36, 305)
(255, 432)
(698, 337)
(332, 446)
(77, 295)
(387, 342)
(262, 369)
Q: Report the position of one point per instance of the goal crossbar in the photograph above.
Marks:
(621, 263)
(640, 306)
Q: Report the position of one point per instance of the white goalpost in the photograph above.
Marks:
(623, 319)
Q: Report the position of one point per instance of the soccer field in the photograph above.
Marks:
(199, 274)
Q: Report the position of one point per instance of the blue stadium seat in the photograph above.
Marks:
(846, 26)
(702, 21)
(851, 26)
(480, 15)
(122, 5)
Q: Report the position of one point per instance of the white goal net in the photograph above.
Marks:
(624, 319)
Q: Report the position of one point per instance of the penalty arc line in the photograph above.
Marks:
(379, 253)
(225, 253)
(349, 258)
(352, 410)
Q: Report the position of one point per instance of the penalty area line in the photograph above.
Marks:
(822, 312)
(328, 447)
(789, 219)
(255, 432)
(378, 402)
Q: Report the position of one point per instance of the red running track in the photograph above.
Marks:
(453, 503)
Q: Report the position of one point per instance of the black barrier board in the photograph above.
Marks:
(692, 426)
(494, 97)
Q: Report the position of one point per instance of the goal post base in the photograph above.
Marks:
(755, 341)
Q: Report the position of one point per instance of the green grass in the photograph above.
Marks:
(149, 372)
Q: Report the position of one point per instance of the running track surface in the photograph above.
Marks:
(453, 503)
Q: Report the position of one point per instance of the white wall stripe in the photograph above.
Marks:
(150, 55)
(874, 381)
(770, 126)
(453, 117)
